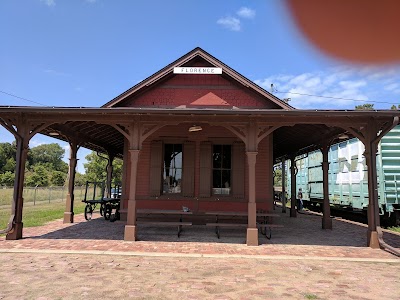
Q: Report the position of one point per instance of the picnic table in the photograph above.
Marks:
(262, 222)
(163, 212)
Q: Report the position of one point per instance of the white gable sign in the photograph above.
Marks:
(197, 70)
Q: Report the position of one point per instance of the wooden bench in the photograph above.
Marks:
(218, 225)
(180, 223)
(263, 225)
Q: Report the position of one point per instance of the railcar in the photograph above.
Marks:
(348, 184)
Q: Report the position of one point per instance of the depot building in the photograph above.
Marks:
(200, 135)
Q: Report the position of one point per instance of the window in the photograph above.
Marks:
(222, 169)
(172, 170)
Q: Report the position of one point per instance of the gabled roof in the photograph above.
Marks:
(192, 55)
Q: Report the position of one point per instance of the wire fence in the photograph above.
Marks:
(39, 195)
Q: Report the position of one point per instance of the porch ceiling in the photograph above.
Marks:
(302, 138)
(91, 135)
(98, 137)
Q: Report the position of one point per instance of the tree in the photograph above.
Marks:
(7, 157)
(7, 178)
(10, 165)
(366, 106)
(49, 155)
(95, 168)
(57, 178)
(394, 107)
(44, 165)
(39, 176)
(80, 179)
(278, 177)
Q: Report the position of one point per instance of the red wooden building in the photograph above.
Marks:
(196, 134)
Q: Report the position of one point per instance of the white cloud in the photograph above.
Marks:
(337, 88)
(377, 73)
(392, 87)
(49, 2)
(246, 13)
(349, 85)
(230, 23)
(235, 24)
(36, 142)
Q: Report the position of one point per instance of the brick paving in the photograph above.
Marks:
(301, 237)
(90, 260)
(78, 276)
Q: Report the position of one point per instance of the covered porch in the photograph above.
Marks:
(260, 136)
(300, 238)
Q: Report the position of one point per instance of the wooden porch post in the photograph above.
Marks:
(373, 205)
(133, 136)
(252, 230)
(125, 180)
(130, 227)
(251, 136)
(251, 152)
(135, 133)
(109, 174)
(371, 148)
(23, 131)
(69, 203)
(22, 151)
(293, 211)
(283, 196)
(370, 135)
(326, 208)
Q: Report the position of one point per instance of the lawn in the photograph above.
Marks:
(39, 214)
(396, 229)
(41, 204)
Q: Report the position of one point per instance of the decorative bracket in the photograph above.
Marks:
(264, 131)
(238, 130)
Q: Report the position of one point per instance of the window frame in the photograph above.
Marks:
(221, 169)
(163, 167)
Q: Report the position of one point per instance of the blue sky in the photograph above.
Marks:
(86, 52)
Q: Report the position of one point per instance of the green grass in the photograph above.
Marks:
(310, 296)
(41, 205)
(396, 229)
(39, 214)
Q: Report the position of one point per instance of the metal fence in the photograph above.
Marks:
(39, 195)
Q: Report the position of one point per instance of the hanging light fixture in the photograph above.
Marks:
(195, 128)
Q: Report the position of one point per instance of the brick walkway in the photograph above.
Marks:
(300, 237)
(90, 260)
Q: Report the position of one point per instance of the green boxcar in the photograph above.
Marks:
(348, 184)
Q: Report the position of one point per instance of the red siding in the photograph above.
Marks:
(179, 134)
(198, 90)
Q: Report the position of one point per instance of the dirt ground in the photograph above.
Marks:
(88, 276)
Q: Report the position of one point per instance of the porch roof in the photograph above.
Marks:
(299, 130)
